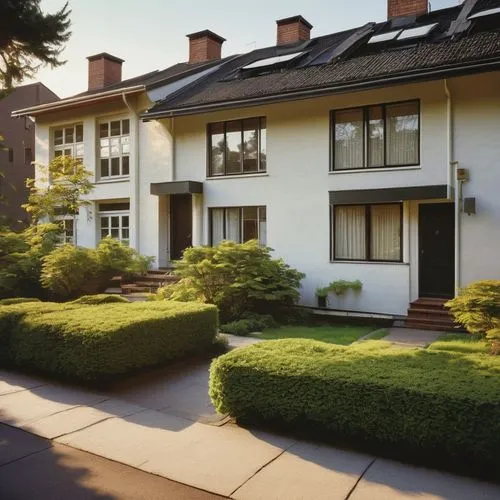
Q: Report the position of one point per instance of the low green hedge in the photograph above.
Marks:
(91, 342)
(438, 404)
(100, 298)
(18, 300)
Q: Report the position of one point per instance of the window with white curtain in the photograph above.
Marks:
(386, 135)
(367, 232)
(238, 224)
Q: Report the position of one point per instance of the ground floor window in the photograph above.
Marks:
(367, 232)
(67, 226)
(238, 224)
(114, 221)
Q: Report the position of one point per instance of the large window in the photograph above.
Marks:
(238, 224)
(114, 137)
(68, 141)
(114, 221)
(386, 135)
(367, 232)
(237, 147)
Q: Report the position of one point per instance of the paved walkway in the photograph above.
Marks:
(33, 467)
(412, 337)
(225, 459)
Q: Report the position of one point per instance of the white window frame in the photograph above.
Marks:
(260, 231)
(116, 213)
(122, 142)
(63, 238)
(75, 149)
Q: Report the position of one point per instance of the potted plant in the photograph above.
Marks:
(322, 294)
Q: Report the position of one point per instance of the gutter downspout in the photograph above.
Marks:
(135, 114)
(173, 151)
(454, 185)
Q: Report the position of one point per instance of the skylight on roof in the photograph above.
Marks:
(418, 32)
(271, 61)
(384, 37)
(484, 13)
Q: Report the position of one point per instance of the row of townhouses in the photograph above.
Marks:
(370, 154)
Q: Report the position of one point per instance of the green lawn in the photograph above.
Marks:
(333, 334)
(465, 343)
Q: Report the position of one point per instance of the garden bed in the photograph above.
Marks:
(88, 342)
(442, 405)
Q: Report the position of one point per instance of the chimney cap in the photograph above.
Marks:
(206, 33)
(293, 19)
(105, 55)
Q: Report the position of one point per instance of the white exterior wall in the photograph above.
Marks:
(155, 166)
(296, 187)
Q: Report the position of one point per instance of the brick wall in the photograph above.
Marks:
(204, 49)
(104, 71)
(397, 8)
(292, 32)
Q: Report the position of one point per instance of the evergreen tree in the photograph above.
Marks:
(29, 38)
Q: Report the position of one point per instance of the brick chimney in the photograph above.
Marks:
(292, 30)
(104, 70)
(401, 8)
(204, 46)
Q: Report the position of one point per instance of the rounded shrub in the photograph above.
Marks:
(100, 298)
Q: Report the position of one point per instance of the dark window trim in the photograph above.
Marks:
(240, 216)
(209, 172)
(367, 206)
(365, 111)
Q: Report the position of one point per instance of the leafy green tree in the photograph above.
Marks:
(477, 308)
(58, 190)
(29, 38)
(21, 256)
(236, 277)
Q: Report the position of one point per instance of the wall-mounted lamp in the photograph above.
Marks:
(470, 206)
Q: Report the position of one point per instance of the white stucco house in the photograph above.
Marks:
(372, 154)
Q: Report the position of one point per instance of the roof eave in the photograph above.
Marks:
(402, 78)
(75, 101)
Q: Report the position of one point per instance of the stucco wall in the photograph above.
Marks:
(296, 185)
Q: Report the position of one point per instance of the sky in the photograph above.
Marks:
(151, 34)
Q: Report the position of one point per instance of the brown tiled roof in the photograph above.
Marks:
(362, 63)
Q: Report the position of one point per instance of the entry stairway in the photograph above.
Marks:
(149, 282)
(429, 313)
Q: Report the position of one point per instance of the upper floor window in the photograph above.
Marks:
(114, 139)
(68, 141)
(237, 147)
(238, 224)
(386, 135)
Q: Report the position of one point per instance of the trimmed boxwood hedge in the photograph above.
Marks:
(432, 404)
(18, 300)
(90, 342)
(100, 298)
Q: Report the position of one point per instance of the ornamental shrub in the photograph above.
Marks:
(100, 298)
(250, 322)
(443, 405)
(236, 277)
(21, 256)
(477, 308)
(69, 271)
(92, 342)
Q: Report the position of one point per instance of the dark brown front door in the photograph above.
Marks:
(436, 224)
(180, 224)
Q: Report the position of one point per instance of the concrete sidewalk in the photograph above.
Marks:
(225, 460)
